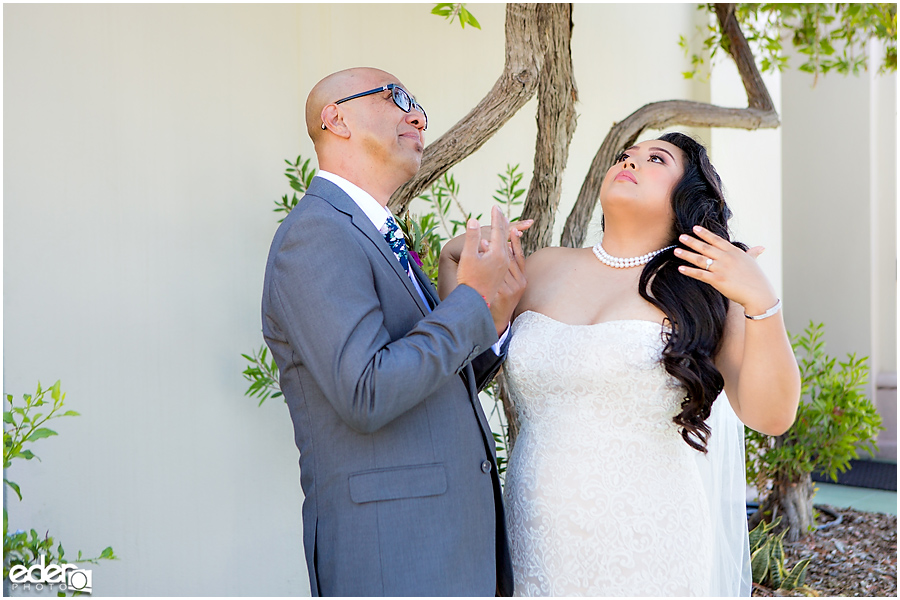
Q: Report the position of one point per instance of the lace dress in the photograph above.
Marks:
(604, 498)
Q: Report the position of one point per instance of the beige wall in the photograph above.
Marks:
(143, 146)
(840, 211)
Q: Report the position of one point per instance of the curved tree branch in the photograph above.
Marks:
(760, 114)
(516, 85)
(556, 117)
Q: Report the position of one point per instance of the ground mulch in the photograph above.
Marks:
(856, 557)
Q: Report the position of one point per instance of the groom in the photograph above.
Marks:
(397, 461)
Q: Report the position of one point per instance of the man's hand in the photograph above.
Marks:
(452, 252)
(513, 284)
(484, 271)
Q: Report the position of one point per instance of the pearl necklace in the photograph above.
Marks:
(624, 263)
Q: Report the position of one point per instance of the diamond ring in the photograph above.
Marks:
(709, 263)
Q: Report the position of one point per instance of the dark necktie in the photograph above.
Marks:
(394, 238)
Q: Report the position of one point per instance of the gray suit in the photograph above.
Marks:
(396, 457)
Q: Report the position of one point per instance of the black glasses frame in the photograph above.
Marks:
(400, 96)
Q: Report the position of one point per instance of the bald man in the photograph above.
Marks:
(397, 460)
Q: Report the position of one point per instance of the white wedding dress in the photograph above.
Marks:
(604, 497)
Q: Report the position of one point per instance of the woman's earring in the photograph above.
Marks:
(323, 127)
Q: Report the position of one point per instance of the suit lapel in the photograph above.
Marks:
(486, 431)
(425, 284)
(344, 203)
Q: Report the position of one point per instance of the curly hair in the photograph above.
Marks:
(695, 310)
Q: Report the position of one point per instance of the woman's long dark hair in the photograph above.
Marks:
(695, 310)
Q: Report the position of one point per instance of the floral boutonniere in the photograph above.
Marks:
(412, 235)
(422, 242)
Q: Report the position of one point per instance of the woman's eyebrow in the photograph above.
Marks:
(651, 148)
(664, 150)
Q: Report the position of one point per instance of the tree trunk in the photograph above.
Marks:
(557, 95)
(760, 113)
(516, 85)
(556, 117)
(793, 502)
(512, 417)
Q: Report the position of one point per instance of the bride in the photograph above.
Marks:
(626, 477)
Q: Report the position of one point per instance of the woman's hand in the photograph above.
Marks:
(729, 269)
(762, 380)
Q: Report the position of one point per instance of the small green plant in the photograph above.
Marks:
(443, 194)
(835, 421)
(507, 195)
(23, 425)
(300, 176)
(262, 375)
(450, 11)
(829, 37)
(767, 559)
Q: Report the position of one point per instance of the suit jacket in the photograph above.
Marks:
(397, 460)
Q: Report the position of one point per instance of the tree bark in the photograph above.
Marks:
(516, 85)
(793, 502)
(759, 114)
(512, 417)
(556, 118)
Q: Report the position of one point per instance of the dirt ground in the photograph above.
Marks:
(857, 557)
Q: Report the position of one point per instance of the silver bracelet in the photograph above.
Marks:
(766, 314)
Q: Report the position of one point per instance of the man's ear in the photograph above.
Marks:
(333, 119)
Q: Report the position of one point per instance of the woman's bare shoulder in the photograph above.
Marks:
(552, 256)
(549, 271)
(551, 263)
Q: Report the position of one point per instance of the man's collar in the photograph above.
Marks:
(377, 213)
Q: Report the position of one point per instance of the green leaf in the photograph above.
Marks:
(465, 15)
(796, 577)
(776, 572)
(777, 548)
(757, 536)
(759, 564)
(54, 391)
(42, 432)
(442, 10)
(14, 486)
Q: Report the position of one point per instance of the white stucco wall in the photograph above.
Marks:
(143, 147)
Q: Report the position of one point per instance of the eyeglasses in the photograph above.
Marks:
(401, 98)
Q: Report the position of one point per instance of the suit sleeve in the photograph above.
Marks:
(487, 364)
(324, 302)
